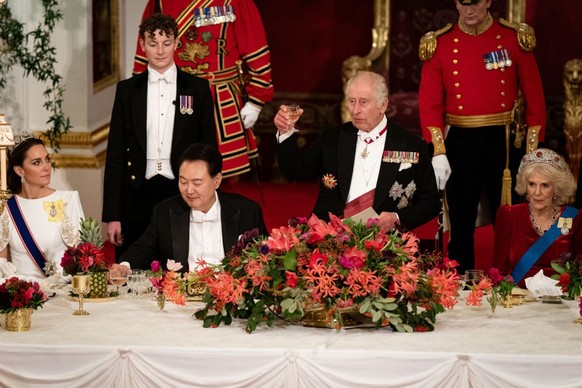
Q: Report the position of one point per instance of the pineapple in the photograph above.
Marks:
(90, 232)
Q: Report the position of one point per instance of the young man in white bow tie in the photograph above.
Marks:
(200, 223)
(156, 115)
(366, 163)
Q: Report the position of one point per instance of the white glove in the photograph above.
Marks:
(7, 269)
(249, 114)
(442, 170)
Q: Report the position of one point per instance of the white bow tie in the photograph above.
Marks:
(204, 218)
(155, 77)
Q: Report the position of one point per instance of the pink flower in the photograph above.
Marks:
(155, 266)
(173, 266)
(353, 258)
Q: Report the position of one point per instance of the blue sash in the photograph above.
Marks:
(25, 235)
(540, 246)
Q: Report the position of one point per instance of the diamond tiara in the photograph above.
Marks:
(19, 139)
(545, 156)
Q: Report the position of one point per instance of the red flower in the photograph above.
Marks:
(317, 258)
(564, 281)
(291, 279)
(495, 276)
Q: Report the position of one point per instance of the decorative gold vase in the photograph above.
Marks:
(317, 316)
(98, 285)
(18, 320)
(196, 291)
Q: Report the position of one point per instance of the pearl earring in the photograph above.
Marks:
(22, 179)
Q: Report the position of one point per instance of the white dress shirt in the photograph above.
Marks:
(206, 236)
(160, 121)
(366, 169)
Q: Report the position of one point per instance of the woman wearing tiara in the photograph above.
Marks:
(38, 223)
(529, 236)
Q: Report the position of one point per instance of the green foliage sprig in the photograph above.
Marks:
(35, 54)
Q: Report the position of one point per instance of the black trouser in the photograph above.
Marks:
(477, 158)
(138, 206)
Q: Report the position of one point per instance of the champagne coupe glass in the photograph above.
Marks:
(81, 287)
(473, 277)
(118, 280)
(293, 113)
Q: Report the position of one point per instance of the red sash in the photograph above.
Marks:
(356, 205)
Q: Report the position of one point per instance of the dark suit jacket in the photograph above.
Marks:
(334, 153)
(168, 235)
(126, 148)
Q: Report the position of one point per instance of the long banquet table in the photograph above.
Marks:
(127, 342)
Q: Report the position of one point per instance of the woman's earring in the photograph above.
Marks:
(22, 179)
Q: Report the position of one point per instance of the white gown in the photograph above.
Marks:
(52, 233)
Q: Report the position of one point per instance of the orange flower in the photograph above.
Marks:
(282, 239)
(405, 278)
(362, 283)
(318, 230)
(444, 285)
(226, 289)
(323, 280)
(410, 243)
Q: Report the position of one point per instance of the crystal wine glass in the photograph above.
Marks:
(293, 113)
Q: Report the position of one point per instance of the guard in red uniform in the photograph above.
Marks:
(470, 81)
(216, 39)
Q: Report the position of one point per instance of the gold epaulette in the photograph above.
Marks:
(525, 34)
(428, 42)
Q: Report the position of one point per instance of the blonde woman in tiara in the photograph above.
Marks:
(529, 236)
(38, 222)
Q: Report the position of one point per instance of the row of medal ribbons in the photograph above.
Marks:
(213, 15)
(497, 59)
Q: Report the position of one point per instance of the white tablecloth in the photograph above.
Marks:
(129, 343)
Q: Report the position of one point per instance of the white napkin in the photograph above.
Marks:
(540, 285)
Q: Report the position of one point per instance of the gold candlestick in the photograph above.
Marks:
(81, 287)
(6, 141)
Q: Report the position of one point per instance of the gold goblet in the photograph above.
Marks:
(293, 113)
(81, 287)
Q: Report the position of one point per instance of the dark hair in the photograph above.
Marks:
(204, 152)
(164, 23)
(16, 158)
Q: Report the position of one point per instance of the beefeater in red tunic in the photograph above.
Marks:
(213, 36)
(470, 81)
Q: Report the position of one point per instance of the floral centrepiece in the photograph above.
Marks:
(169, 284)
(17, 294)
(569, 274)
(497, 288)
(82, 259)
(336, 265)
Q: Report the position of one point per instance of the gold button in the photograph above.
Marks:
(455, 72)
(498, 36)
(129, 164)
(503, 93)
(455, 61)
(458, 96)
(500, 47)
(457, 84)
(503, 105)
(455, 51)
(133, 177)
(502, 82)
(456, 40)
(502, 69)
(460, 107)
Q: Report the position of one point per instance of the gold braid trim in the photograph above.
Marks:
(438, 141)
(428, 42)
(533, 134)
(502, 118)
(525, 34)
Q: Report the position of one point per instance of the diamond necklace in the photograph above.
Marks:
(538, 228)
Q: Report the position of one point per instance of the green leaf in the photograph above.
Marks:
(558, 268)
(290, 260)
